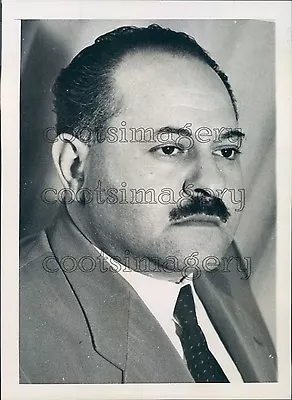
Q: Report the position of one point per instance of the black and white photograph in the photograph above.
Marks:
(148, 210)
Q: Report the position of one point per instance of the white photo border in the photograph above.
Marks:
(12, 14)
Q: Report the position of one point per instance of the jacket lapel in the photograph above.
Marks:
(101, 294)
(151, 355)
(123, 330)
(233, 311)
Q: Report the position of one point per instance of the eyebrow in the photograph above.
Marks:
(172, 129)
(229, 133)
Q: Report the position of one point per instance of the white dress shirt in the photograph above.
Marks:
(150, 290)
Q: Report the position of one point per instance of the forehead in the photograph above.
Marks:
(159, 85)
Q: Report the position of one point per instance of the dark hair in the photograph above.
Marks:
(84, 93)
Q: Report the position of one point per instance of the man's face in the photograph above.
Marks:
(164, 92)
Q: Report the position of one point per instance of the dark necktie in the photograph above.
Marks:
(201, 363)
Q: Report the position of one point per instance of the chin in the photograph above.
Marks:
(210, 241)
(193, 250)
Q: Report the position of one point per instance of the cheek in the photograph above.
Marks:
(115, 163)
(141, 205)
(234, 196)
(233, 177)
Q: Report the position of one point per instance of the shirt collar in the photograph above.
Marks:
(159, 295)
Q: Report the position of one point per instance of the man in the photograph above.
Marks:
(135, 288)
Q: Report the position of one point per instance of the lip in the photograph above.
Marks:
(199, 220)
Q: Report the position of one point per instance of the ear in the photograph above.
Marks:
(69, 155)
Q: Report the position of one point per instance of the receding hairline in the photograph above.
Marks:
(177, 54)
(84, 95)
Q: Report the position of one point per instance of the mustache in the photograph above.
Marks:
(200, 204)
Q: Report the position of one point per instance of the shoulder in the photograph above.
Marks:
(33, 251)
(49, 316)
(55, 337)
(32, 248)
(35, 283)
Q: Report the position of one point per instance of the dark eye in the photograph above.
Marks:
(167, 150)
(229, 152)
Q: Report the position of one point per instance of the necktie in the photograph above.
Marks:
(201, 363)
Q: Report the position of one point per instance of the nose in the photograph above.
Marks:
(205, 176)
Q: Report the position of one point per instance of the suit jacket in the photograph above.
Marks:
(90, 326)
